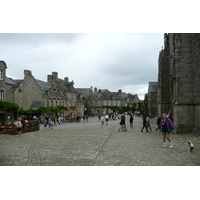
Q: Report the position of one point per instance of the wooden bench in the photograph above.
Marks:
(10, 129)
(28, 127)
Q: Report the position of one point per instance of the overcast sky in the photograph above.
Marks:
(106, 61)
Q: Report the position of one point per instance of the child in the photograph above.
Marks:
(51, 124)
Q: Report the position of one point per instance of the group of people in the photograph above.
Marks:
(165, 126)
(122, 122)
(104, 118)
(164, 123)
(146, 123)
(83, 118)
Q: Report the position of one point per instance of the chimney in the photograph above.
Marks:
(100, 92)
(27, 72)
(49, 79)
(120, 92)
(95, 89)
(55, 74)
(66, 79)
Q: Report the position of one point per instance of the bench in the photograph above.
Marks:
(10, 129)
(28, 127)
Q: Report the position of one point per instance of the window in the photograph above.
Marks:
(118, 103)
(56, 94)
(1, 95)
(47, 103)
(1, 74)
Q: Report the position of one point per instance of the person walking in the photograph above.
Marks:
(99, 116)
(148, 122)
(166, 125)
(107, 117)
(51, 124)
(123, 124)
(131, 121)
(144, 124)
(86, 117)
(102, 119)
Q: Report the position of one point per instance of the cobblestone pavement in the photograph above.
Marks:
(92, 144)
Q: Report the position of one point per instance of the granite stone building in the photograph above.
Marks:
(6, 91)
(95, 100)
(178, 80)
(31, 93)
(152, 99)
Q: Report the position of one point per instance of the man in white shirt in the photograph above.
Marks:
(107, 117)
(19, 125)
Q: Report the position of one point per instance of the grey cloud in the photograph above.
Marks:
(37, 38)
(107, 61)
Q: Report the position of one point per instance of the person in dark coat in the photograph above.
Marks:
(131, 121)
(144, 124)
(158, 123)
(122, 123)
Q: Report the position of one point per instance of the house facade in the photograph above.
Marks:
(6, 92)
(31, 93)
(96, 100)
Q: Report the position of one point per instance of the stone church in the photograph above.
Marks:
(179, 80)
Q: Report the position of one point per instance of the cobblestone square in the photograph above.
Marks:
(92, 144)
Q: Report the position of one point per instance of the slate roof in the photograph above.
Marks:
(44, 85)
(17, 83)
(105, 94)
(9, 81)
(85, 92)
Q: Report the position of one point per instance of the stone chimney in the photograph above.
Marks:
(49, 79)
(27, 72)
(100, 92)
(66, 79)
(55, 74)
(95, 89)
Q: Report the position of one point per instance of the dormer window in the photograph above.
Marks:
(1, 74)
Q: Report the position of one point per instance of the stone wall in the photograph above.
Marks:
(179, 75)
(9, 94)
(31, 92)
